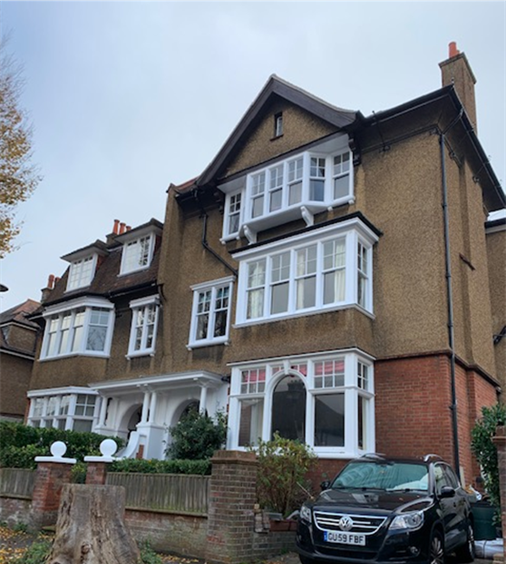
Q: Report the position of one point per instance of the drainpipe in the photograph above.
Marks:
(205, 244)
(451, 330)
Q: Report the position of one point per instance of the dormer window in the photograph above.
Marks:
(138, 246)
(81, 272)
(297, 187)
(137, 254)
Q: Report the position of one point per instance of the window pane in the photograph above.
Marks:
(202, 326)
(289, 409)
(341, 187)
(255, 303)
(329, 420)
(276, 196)
(258, 206)
(82, 426)
(250, 425)
(295, 193)
(361, 421)
(233, 225)
(306, 292)
(279, 298)
(256, 273)
(96, 339)
(333, 287)
(317, 190)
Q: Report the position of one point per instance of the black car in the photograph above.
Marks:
(379, 509)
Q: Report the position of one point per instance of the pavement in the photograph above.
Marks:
(14, 542)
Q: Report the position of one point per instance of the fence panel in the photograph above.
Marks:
(174, 492)
(16, 482)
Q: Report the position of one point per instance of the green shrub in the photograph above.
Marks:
(148, 555)
(282, 467)
(133, 465)
(197, 436)
(486, 452)
(20, 443)
(78, 473)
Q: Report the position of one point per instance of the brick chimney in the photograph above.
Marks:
(46, 292)
(456, 70)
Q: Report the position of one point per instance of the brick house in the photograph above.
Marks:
(18, 339)
(329, 276)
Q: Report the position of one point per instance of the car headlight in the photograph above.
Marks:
(305, 514)
(411, 521)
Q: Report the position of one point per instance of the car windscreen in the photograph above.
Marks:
(390, 476)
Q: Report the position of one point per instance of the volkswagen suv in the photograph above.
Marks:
(379, 510)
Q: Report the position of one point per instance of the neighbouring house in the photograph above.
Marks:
(18, 340)
(329, 276)
(495, 231)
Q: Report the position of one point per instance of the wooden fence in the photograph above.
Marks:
(17, 482)
(169, 492)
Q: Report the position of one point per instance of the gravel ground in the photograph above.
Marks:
(14, 543)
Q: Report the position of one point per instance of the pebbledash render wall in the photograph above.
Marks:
(399, 191)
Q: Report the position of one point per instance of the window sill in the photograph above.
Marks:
(134, 271)
(207, 343)
(302, 313)
(74, 354)
(138, 354)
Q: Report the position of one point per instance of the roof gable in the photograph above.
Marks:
(275, 89)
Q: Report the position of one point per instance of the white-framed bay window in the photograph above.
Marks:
(211, 312)
(322, 269)
(82, 326)
(297, 186)
(73, 408)
(325, 400)
(144, 326)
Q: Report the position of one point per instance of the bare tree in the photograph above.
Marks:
(18, 176)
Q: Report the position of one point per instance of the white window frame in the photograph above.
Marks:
(137, 306)
(354, 232)
(213, 288)
(305, 207)
(125, 269)
(63, 333)
(277, 368)
(233, 207)
(68, 416)
(76, 279)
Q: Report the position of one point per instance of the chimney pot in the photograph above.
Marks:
(128, 227)
(115, 228)
(453, 51)
(122, 226)
(50, 281)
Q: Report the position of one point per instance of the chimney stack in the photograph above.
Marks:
(46, 292)
(457, 71)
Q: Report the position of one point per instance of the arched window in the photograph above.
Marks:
(289, 408)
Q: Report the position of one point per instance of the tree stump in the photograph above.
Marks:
(91, 527)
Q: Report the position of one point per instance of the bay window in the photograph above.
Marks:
(325, 268)
(298, 186)
(325, 400)
(82, 326)
(72, 408)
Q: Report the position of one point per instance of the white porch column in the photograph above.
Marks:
(203, 399)
(103, 411)
(152, 407)
(145, 407)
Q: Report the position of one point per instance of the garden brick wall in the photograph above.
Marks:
(49, 480)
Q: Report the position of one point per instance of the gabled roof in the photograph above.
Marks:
(275, 86)
(19, 313)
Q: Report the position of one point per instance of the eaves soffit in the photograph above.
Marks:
(275, 87)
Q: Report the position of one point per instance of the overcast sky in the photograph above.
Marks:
(127, 97)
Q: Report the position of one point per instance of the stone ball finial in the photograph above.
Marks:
(108, 447)
(58, 449)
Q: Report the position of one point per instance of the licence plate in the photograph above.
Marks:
(344, 538)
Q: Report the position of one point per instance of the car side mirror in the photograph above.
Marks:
(325, 485)
(446, 491)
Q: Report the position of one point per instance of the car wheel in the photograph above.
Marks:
(437, 551)
(466, 552)
(306, 560)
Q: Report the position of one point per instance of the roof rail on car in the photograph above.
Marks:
(374, 455)
(430, 457)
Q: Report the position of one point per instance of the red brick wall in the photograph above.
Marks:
(413, 415)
